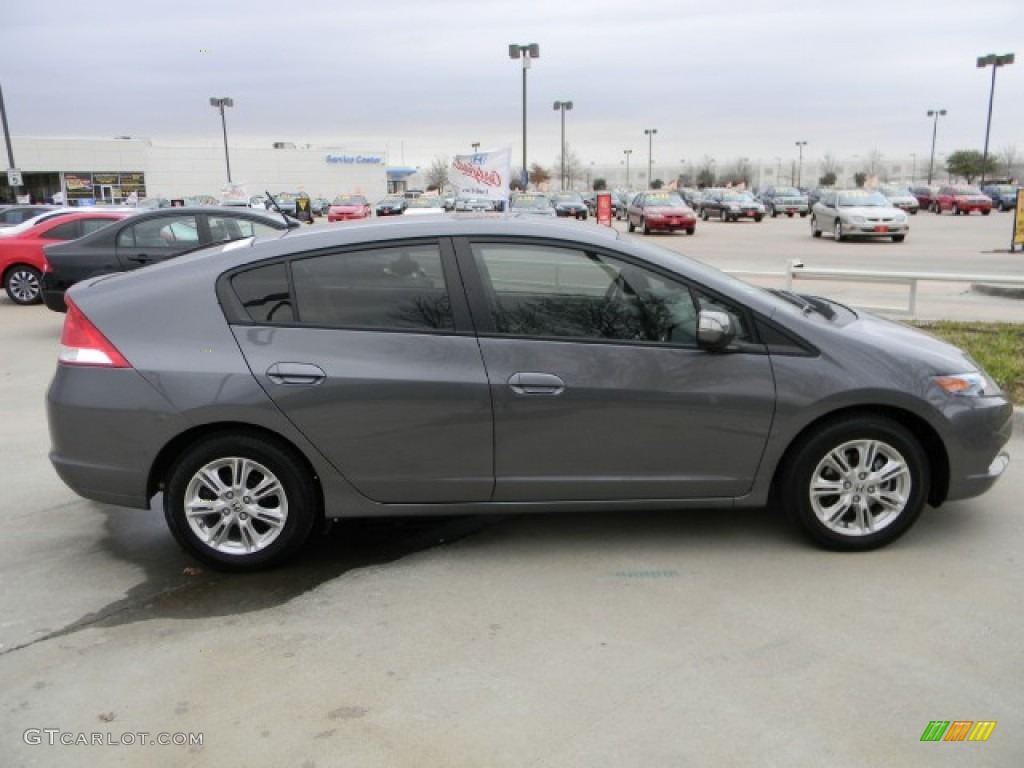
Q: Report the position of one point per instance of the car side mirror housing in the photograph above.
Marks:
(715, 330)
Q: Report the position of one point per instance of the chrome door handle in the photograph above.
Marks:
(536, 384)
(296, 374)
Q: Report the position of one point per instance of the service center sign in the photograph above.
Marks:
(483, 175)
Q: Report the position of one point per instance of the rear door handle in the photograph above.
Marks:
(141, 258)
(296, 374)
(529, 383)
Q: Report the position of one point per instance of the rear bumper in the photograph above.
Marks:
(53, 293)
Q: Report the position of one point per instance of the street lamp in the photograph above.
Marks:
(562, 106)
(800, 167)
(913, 168)
(649, 132)
(220, 103)
(996, 62)
(935, 114)
(627, 153)
(476, 146)
(778, 171)
(526, 53)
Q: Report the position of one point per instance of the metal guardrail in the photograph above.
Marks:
(795, 270)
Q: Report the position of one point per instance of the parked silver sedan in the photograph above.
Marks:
(849, 213)
(495, 365)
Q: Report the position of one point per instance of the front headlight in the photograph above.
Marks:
(901, 219)
(972, 384)
(733, 207)
(857, 219)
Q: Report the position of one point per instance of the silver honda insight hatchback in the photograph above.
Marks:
(474, 365)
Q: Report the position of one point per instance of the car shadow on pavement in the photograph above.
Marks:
(176, 586)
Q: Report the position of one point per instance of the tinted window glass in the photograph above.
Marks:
(91, 225)
(391, 288)
(176, 233)
(264, 294)
(233, 228)
(69, 230)
(561, 293)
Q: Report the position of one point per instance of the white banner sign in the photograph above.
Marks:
(483, 175)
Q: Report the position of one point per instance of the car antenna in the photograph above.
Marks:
(287, 224)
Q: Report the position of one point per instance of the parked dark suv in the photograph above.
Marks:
(147, 238)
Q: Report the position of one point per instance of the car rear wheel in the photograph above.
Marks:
(857, 483)
(837, 231)
(815, 232)
(898, 238)
(631, 226)
(758, 218)
(774, 212)
(22, 285)
(239, 502)
(690, 230)
(986, 212)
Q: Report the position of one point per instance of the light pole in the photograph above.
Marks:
(935, 114)
(627, 153)
(476, 146)
(649, 132)
(996, 62)
(220, 103)
(778, 171)
(800, 166)
(526, 53)
(563, 106)
(913, 168)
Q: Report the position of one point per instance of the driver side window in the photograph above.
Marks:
(548, 292)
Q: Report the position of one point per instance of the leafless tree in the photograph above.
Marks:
(437, 174)
(573, 166)
(1008, 157)
(873, 163)
(829, 164)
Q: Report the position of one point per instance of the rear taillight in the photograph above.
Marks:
(47, 267)
(81, 343)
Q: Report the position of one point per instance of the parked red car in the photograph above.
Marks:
(925, 196)
(660, 210)
(961, 199)
(347, 207)
(21, 255)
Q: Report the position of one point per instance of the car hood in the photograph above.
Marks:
(668, 210)
(870, 211)
(902, 199)
(350, 208)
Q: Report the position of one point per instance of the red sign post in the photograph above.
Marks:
(604, 208)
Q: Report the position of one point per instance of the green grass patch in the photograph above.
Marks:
(998, 348)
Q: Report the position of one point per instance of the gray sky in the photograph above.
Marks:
(422, 78)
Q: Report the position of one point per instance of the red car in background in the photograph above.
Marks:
(21, 255)
(347, 207)
(962, 199)
(659, 210)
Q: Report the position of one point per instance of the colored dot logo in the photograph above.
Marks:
(206, 50)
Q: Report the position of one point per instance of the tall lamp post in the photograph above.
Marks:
(995, 62)
(627, 153)
(563, 106)
(935, 114)
(800, 165)
(526, 53)
(649, 132)
(220, 103)
(913, 168)
(476, 146)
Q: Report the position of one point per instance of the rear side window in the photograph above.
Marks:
(264, 294)
(176, 233)
(69, 230)
(399, 288)
(235, 228)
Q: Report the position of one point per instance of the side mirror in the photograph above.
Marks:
(715, 330)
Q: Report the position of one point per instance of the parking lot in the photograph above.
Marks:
(662, 639)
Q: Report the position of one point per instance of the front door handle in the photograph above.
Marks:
(141, 258)
(536, 384)
(296, 374)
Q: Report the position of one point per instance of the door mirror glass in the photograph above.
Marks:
(715, 330)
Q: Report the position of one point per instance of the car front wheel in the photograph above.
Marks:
(22, 285)
(815, 232)
(837, 231)
(239, 502)
(857, 483)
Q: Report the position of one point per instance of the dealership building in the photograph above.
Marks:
(89, 171)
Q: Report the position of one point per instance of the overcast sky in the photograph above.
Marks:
(422, 78)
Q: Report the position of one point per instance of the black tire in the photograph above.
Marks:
(775, 213)
(703, 215)
(265, 459)
(646, 229)
(986, 212)
(690, 230)
(758, 219)
(815, 232)
(837, 231)
(723, 216)
(803, 215)
(630, 225)
(937, 209)
(23, 286)
(898, 238)
(913, 211)
(956, 209)
(858, 500)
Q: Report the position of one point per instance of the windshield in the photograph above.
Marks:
(966, 191)
(788, 192)
(664, 198)
(895, 192)
(738, 196)
(530, 201)
(568, 197)
(426, 202)
(862, 198)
